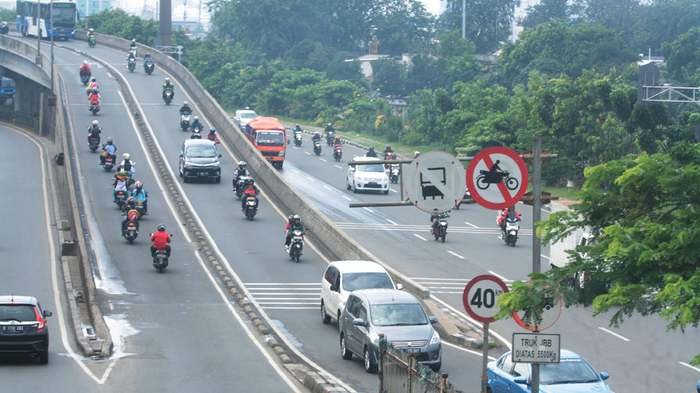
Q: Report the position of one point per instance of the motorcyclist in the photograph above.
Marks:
(92, 87)
(108, 149)
(147, 58)
(416, 154)
(293, 224)
(132, 45)
(140, 195)
(388, 151)
(94, 130)
(94, 99)
(91, 32)
(213, 136)
(242, 170)
(434, 221)
(160, 240)
(185, 109)
(131, 214)
(127, 165)
(196, 123)
(120, 183)
(316, 136)
(329, 129)
(297, 128)
(505, 214)
(371, 152)
(249, 189)
(85, 69)
(131, 56)
(168, 85)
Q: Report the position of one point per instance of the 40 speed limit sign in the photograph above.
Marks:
(480, 295)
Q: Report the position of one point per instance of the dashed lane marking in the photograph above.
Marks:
(455, 254)
(420, 237)
(470, 224)
(446, 286)
(391, 222)
(689, 366)
(621, 337)
(499, 276)
(420, 228)
(338, 166)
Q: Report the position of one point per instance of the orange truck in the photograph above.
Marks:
(269, 137)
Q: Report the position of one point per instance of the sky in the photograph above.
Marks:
(433, 6)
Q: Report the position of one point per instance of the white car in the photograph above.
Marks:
(371, 177)
(243, 116)
(343, 277)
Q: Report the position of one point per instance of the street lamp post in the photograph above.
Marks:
(52, 45)
(38, 34)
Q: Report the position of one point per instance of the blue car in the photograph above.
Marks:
(572, 374)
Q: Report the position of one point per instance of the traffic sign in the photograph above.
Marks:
(480, 295)
(550, 315)
(497, 177)
(434, 182)
(536, 348)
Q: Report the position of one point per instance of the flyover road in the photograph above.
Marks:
(640, 355)
(173, 332)
(288, 292)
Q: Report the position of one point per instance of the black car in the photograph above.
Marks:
(23, 327)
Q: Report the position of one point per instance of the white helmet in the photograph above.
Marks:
(126, 156)
(85, 62)
(95, 122)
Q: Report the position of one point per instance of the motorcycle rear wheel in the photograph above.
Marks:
(481, 182)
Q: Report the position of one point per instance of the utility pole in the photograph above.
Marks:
(165, 22)
(38, 32)
(52, 34)
(536, 245)
(464, 19)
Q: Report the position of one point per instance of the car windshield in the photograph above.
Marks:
(248, 115)
(63, 14)
(269, 138)
(355, 281)
(398, 314)
(17, 312)
(370, 168)
(567, 371)
(201, 151)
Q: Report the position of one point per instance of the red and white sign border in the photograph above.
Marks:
(485, 155)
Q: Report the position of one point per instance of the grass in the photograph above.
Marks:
(563, 192)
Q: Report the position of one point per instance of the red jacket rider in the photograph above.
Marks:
(160, 240)
(94, 99)
(503, 214)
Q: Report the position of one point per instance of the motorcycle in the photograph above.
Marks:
(330, 138)
(141, 208)
(317, 148)
(394, 171)
(131, 232)
(120, 198)
(168, 95)
(297, 138)
(296, 245)
(251, 207)
(486, 178)
(160, 261)
(439, 231)
(85, 78)
(337, 153)
(108, 163)
(185, 122)
(132, 64)
(94, 108)
(196, 133)
(239, 185)
(510, 236)
(93, 142)
(148, 66)
(92, 41)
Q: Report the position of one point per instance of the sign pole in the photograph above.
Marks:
(485, 359)
(536, 245)
(535, 388)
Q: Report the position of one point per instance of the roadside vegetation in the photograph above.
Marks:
(571, 76)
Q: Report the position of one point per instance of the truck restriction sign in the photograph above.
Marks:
(536, 348)
(480, 295)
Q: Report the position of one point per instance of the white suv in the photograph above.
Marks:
(369, 177)
(343, 277)
(243, 116)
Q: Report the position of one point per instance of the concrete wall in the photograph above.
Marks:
(331, 241)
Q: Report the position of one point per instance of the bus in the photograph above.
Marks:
(56, 20)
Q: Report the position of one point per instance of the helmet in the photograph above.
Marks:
(297, 126)
(138, 184)
(247, 108)
(95, 123)
(212, 130)
(133, 40)
(416, 154)
(161, 228)
(184, 103)
(388, 147)
(196, 117)
(329, 124)
(242, 163)
(109, 140)
(167, 79)
(93, 79)
(126, 156)
(371, 148)
(296, 219)
(85, 62)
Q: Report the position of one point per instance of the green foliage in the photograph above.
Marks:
(8, 14)
(683, 57)
(560, 48)
(546, 11)
(488, 22)
(531, 297)
(119, 23)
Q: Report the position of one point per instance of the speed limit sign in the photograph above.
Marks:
(480, 295)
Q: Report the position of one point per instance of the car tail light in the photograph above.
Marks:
(41, 322)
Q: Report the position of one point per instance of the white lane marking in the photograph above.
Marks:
(499, 276)
(282, 283)
(111, 306)
(54, 261)
(291, 308)
(420, 237)
(391, 222)
(455, 254)
(347, 198)
(368, 209)
(173, 211)
(457, 347)
(323, 159)
(440, 279)
(621, 337)
(337, 166)
(109, 74)
(327, 187)
(689, 366)
(470, 224)
(392, 190)
(307, 153)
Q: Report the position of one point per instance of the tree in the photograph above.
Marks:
(619, 15)
(401, 26)
(645, 210)
(683, 57)
(488, 21)
(545, 11)
(389, 77)
(119, 23)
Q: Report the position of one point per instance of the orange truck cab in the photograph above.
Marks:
(269, 137)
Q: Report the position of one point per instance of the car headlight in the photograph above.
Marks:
(435, 339)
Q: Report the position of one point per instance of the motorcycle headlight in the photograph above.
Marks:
(435, 339)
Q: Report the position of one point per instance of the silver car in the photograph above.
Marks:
(396, 314)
